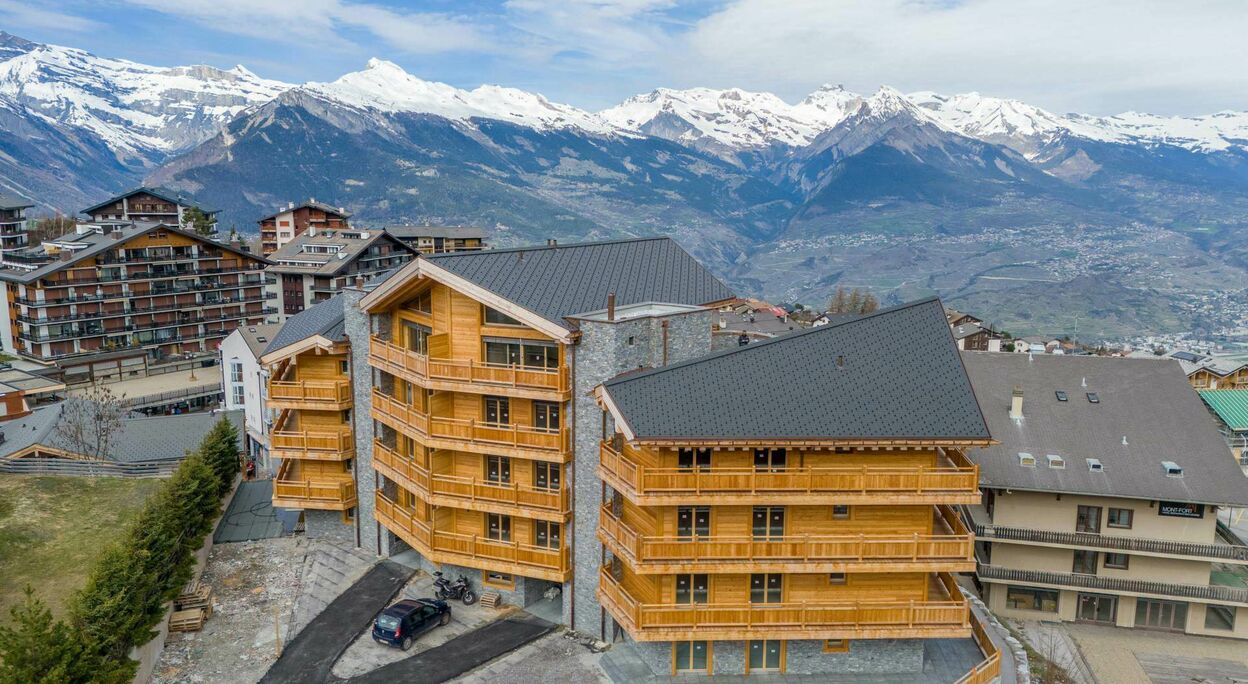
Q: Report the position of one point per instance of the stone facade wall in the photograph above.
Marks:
(866, 656)
(357, 326)
(328, 525)
(607, 349)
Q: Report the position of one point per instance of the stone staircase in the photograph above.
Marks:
(329, 567)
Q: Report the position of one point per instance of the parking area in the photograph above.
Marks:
(365, 655)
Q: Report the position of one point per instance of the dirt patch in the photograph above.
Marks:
(1111, 652)
(254, 587)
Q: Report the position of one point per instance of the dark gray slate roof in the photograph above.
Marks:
(14, 202)
(408, 232)
(324, 319)
(902, 378)
(1148, 402)
(554, 282)
(311, 204)
(167, 194)
(156, 438)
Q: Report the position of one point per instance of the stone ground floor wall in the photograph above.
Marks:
(1068, 607)
(866, 656)
(528, 590)
(328, 525)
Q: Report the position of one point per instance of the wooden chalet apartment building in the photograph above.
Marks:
(146, 205)
(502, 424)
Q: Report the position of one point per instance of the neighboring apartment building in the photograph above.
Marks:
(318, 264)
(144, 286)
(789, 506)
(146, 205)
(974, 337)
(312, 444)
(284, 225)
(1229, 408)
(244, 382)
(1101, 500)
(439, 239)
(13, 234)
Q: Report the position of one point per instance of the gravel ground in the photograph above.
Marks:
(1110, 651)
(556, 658)
(253, 584)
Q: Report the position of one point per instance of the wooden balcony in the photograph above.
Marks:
(989, 669)
(811, 485)
(469, 376)
(951, 551)
(470, 550)
(1117, 585)
(313, 445)
(291, 489)
(469, 492)
(948, 617)
(1232, 551)
(317, 395)
(477, 436)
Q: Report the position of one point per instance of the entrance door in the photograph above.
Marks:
(1097, 608)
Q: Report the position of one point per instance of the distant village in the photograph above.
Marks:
(605, 439)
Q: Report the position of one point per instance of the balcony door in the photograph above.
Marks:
(768, 522)
(546, 415)
(1088, 519)
(1164, 615)
(497, 410)
(416, 338)
(765, 656)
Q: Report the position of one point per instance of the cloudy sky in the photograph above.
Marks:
(1099, 57)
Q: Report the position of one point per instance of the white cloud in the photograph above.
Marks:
(321, 23)
(1068, 55)
(23, 15)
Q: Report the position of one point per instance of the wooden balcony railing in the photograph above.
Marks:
(330, 394)
(468, 434)
(953, 552)
(990, 669)
(292, 490)
(420, 369)
(471, 550)
(1214, 593)
(856, 484)
(469, 492)
(1162, 547)
(318, 445)
(865, 619)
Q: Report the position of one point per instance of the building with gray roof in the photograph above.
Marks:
(317, 264)
(438, 239)
(1102, 495)
(324, 320)
(138, 440)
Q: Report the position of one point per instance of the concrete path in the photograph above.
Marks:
(312, 653)
(463, 653)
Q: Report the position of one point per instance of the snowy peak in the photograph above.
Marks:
(384, 86)
(139, 111)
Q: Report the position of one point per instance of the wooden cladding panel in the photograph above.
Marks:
(796, 458)
(737, 521)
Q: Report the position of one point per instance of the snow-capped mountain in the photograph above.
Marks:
(143, 113)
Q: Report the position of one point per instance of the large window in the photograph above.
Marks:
(1027, 598)
(1118, 561)
(1221, 618)
(422, 302)
(691, 459)
(691, 589)
(416, 337)
(691, 656)
(497, 410)
(693, 521)
(1120, 517)
(765, 656)
(498, 527)
(497, 469)
(766, 587)
(496, 317)
(546, 415)
(546, 476)
(768, 522)
(546, 534)
(526, 353)
(1085, 562)
(1088, 519)
(237, 395)
(236, 371)
(769, 459)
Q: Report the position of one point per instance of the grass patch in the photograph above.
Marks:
(1043, 670)
(52, 530)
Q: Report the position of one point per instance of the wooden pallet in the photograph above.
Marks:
(191, 620)
(200, 596)
(492, 599)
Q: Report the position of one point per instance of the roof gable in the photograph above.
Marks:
(167, 194)
(325, 320)
(891, 375)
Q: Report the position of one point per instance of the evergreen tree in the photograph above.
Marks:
(35, 649)
(220, 450)
(195, 220)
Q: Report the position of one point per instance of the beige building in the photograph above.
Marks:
(1101, 499)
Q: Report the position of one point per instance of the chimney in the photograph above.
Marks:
(552, 242)
(610, 306)
(65, 254)
(116, 234)
(664, 326)
(1016, 403)
(312, 230)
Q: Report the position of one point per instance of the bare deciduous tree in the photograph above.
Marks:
(89, 423)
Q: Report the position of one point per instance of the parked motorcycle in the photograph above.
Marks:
(459, 589)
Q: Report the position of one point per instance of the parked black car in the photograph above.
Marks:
(400, 624)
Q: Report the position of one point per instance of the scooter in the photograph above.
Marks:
(459, 589)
